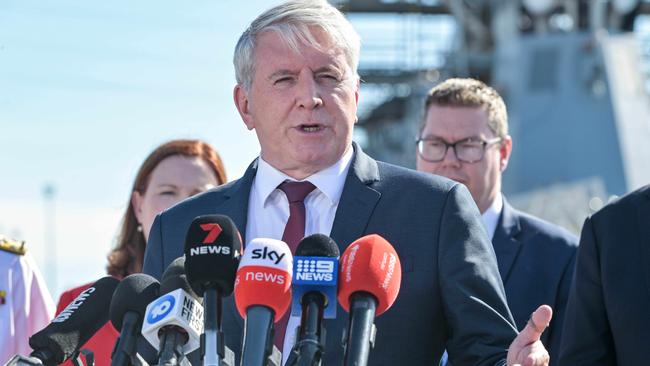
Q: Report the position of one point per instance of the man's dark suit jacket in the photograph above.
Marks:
(451, 294)
(608, 315)
(536, 261)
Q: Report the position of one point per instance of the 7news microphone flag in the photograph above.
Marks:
(212, 250)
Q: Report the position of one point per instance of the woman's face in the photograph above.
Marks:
(174, 179)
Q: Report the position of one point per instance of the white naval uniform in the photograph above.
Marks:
(26, 305)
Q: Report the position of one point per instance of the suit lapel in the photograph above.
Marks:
(236, 203)
(358, 200)
(505, 242)
(235, 206)
(643, 210)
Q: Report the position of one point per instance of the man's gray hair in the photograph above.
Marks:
(292, 20)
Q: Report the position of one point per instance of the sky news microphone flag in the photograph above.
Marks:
(263, 296)
(264, 277)
(74, 326)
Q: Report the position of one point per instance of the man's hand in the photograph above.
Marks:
(527, 349)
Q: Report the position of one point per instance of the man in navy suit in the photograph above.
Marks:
(607, 319)
(464, 137)
(298, 88)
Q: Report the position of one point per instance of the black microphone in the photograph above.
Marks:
(314, 292)
(212, 251)
(74, 326)
(127, 312)
(174, 322)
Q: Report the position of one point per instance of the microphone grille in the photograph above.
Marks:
(317, 245)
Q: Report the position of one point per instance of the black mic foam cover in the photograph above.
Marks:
(79, 321)
(317, 245)
(133, 294)
(212, 251)
(174, 278)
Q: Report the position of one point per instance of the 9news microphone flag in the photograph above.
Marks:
(262, 296)
(369, 281)
(314, 295)
(212, 248)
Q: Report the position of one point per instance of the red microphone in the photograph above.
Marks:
(262, 296)
(370, 275)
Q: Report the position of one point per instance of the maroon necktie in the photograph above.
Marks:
(294, 231)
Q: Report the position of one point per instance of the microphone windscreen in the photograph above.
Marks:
(370, 264)
(212, 249)
(174, 278)
(133, 294)
(317, 245)
(79, 321)
(264, 277)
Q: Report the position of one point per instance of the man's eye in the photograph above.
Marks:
(435, 144)
(167, 193)
(282, 80)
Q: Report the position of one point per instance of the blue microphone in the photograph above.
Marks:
(314, 284)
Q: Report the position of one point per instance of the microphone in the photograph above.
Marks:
(369, 281)
(74, 326)
(212, 248)
(314, 295)
(174, 322)
(262, 296)
(127, 312)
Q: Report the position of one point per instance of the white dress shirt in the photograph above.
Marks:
(268, 211)
(491, 215)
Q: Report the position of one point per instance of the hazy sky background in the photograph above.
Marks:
(87, 90)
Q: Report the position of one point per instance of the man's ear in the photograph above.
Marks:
(242, 103)
(504, 152)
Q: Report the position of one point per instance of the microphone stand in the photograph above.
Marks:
(213, 346)
(309, 348)
(362, 317)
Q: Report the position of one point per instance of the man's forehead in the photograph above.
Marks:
(466, 120)
(320, 43)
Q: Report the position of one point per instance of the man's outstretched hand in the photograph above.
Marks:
(527, 349)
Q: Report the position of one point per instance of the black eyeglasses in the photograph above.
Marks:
(470, 150)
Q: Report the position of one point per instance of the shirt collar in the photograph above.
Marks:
(329, 181)
(491, 215)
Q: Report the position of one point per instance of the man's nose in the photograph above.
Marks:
(450, 159)
(308, 93)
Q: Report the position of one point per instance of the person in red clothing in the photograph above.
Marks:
(172, 172)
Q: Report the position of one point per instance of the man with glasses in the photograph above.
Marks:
(464, 137)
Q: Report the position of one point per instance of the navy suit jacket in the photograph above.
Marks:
(536, 261)
(451, 294)
(608, 315)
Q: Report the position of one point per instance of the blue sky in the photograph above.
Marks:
(87, 90)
